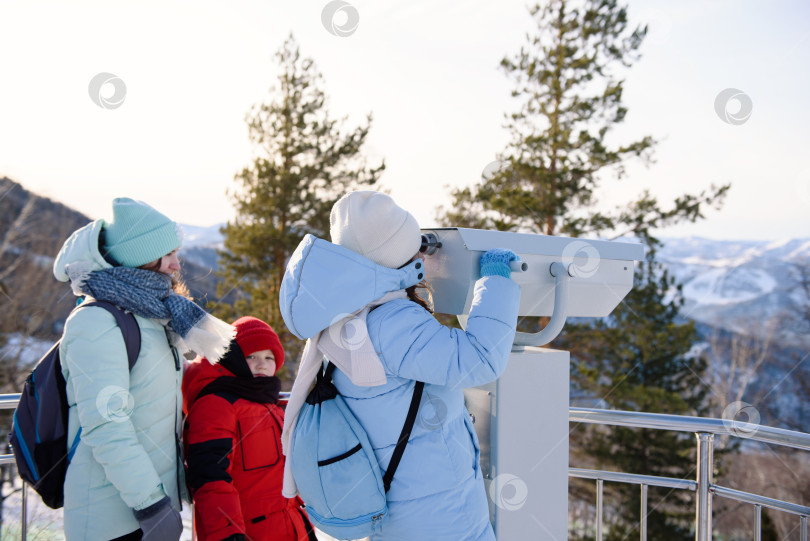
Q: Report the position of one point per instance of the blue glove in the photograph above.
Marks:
(496, 263)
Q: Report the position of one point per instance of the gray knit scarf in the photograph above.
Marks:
(149, 294)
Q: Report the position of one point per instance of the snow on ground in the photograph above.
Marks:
(45, 524)
(26, 348)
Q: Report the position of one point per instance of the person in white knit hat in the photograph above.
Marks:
(437, 492)
(371, 224)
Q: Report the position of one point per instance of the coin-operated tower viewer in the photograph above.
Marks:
(522, 418)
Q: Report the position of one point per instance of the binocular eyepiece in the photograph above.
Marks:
(430, 243)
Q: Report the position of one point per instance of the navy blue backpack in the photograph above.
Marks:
(39, 433)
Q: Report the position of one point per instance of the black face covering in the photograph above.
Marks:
(244, 385)
(234, 360)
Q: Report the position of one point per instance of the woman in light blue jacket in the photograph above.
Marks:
(437, 492)
(125, 479)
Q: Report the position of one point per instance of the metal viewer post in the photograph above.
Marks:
(558, 277)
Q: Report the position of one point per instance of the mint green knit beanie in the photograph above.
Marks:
(138, 233)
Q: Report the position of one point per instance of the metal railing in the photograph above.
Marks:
(704, 429)
(9, 401)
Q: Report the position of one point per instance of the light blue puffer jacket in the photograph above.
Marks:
(438, 491)
(127, 457)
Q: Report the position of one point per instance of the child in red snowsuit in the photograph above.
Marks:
(232, 442)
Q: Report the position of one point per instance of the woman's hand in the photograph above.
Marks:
(160, 521)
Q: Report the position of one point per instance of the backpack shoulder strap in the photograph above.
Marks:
(128, 325)
(327, 372)
(399, 450)
(404, 436)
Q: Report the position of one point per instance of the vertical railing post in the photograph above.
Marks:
(758, 522)
(804, 528)
(24, 512)
(643, 525)
(599, 490)
(705, 469)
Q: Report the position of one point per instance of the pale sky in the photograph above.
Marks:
(428, 71)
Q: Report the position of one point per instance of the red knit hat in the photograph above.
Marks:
(254, 335)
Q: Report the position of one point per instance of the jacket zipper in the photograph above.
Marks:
(375, 518)
(177, 447)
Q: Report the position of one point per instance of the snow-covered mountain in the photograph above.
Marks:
(207, 236)
(200, 244)
(729, 284)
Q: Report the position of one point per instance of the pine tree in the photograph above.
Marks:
(640, 358)
(304, 162)
(568, 84)
(560, 153)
